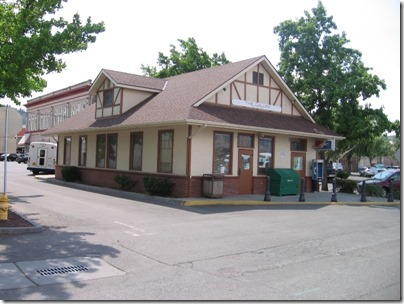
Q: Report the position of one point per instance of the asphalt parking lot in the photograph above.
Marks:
(122, 248)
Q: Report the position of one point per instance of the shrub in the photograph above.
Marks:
(343, 174)
(125, 182)
(397, 194)
(158, 186)
(373, 190)
(346, 185)
(71, 173)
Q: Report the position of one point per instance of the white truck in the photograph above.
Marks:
(42, 157)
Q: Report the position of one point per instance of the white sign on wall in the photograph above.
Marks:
(256, 105)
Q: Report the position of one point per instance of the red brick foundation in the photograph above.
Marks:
(184, 186)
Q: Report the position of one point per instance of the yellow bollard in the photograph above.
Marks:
(4, 206)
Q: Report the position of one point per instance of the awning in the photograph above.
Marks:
(24, 140)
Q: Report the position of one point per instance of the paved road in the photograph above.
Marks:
(169, 252)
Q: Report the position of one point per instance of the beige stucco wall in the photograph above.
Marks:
(201, 150)
(133, 97)
(150, 149)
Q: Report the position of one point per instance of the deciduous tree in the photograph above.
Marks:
(190, 58)
(31, 39)
(327, 76)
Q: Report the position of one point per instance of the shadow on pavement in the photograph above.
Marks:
(52, 243)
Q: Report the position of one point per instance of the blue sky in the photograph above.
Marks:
(137, 30)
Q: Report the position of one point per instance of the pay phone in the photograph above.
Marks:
(317, 167)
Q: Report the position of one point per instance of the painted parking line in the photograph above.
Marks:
(137, 231)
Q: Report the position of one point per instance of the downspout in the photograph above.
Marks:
(188, 161)
(190, 135)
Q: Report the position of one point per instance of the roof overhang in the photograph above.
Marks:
(104, 75)
(205, 124)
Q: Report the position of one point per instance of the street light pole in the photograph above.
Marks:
(4, 205)
(5, 150)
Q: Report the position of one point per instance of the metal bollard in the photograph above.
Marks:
(267, 197)
(390, 197)
(301, 197)
(363, 192)
(334, 191)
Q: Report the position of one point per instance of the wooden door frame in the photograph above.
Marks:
(249, 151)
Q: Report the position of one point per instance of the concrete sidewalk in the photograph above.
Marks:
(310, 198)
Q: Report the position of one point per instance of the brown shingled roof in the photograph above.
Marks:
(255, 118)
(126, 79)
(176, 104)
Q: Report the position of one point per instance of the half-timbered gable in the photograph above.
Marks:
(260, 88)
(118, 92)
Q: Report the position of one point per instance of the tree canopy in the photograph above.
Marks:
(30, 41)
(190, 58)
(319, 67)
(331, 80)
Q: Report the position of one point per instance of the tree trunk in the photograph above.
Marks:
(349, 164)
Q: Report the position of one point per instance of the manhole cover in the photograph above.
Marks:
(67, 270)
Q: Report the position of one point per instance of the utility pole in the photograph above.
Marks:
(4, 205)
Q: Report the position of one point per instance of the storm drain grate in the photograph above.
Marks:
(62, 270)
(55, 271)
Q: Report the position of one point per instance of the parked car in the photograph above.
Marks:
(333, 169)
(393, 167)
(2, 156)
(12, 157)
(374, 170)
(331, 172)
(383, 179)
(362, 170)
(338, 166)
(22, 158)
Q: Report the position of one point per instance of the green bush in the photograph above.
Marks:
(397, 194)
(343, 174)
(71, 173)
(373, 190)
(125, 182)
(346, 185)
(158, 186)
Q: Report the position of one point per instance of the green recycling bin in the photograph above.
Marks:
(283, 182)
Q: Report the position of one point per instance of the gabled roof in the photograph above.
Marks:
(179, 100)
(127, 80)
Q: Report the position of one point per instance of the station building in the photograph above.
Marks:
(235, 120)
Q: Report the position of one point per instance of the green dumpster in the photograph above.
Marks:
(283, 182)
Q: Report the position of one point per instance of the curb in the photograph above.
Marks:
(20, 230)
(201, 202)
(263, 203)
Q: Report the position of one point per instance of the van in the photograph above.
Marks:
(42, 157)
